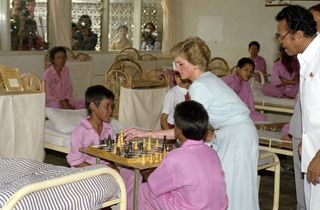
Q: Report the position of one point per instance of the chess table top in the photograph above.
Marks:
(134, 162)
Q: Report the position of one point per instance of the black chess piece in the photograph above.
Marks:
(164, 144)
(126, 150)
(109, 141)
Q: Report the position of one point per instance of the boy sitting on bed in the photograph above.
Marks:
(99, 102)
(238, 82)
(191, 176)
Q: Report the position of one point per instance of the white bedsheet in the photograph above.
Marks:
(260, 98)
(55, 137)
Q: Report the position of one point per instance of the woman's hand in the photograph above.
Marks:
(131, 133)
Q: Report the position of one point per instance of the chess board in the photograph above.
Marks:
(145, 151)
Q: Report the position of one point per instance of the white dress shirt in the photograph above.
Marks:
(310, 101)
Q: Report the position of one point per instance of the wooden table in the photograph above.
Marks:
(100, 153)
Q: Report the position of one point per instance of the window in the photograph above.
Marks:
(123, 24)
(30, 32)
(151, 25)
(86, 24)
(28, 24)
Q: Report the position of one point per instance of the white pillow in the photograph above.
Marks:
(65, 120)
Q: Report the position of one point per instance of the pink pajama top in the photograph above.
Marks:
(83, 136)
(260, 64)
(57, 88)
(190, 177)
(279, 70)
(243, 90)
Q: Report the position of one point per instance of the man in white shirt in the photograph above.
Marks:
(297, 35)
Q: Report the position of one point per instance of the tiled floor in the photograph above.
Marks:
(287, 188)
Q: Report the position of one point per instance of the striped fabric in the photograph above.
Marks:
(86, 194)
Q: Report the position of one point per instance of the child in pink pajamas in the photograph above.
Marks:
(99, 102)
(58, 83)
(238, 82)
(259, 62)
(284, 78)
(190, 177)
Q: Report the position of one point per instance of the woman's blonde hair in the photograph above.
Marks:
(194, 50)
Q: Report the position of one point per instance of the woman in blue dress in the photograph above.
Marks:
(236, 137)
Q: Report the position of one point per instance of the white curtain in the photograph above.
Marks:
(168, 27)
(60, 23)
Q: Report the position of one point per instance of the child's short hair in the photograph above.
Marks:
(55, 50)
(192, 119)
(244, 61)
(96, 94)
(254, 43)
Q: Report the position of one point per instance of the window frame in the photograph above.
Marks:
(5, 35)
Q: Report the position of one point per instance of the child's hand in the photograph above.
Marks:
(64, 104)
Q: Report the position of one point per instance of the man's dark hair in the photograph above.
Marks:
(298, 18)
(96, 94)
(55, 50)
(244, 61)
(192, 119)
(254, 43)
(85, 21)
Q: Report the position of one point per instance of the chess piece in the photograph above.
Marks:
(164, 144)
(156, 157)
(151, 158)
(149, 136)
(164, 152)
(143, 160)
(109, 141)
(160, 157)
(144, 144)
(118, 151)
(121, 138)
(149, 145)
(114, 149)
(157, 143)
(126, 150)
(135, 146)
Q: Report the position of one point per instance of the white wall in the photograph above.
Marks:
(229, 25)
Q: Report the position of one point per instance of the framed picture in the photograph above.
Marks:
(10, 80)
(277, 2)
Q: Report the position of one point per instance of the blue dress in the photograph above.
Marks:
(236, 139)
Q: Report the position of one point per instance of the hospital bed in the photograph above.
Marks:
(268, 103)
(270, 139)
(59, 126)
(28, 184)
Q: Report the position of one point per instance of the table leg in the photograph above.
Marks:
(136, 189)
